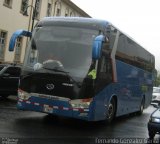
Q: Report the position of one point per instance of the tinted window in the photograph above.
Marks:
(104, 68)
(132, 53)
(1, 67)
(71, 46)
(156, 90)
(13, 71)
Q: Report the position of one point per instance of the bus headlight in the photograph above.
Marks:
(81, 103)
(23, 95)
(156, 120)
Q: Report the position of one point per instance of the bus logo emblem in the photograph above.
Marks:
(50, 86)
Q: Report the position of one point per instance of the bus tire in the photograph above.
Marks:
(51, 117)
(111, 111)
(151, 135)
(141, 107)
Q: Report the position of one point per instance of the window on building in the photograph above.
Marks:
(49, 9)
(58, 12)
(67, 12)
(72, 14)
(18, 48)
(8, 3)
(58, 8)
(3, 37)
(37, 9)
(24, 5)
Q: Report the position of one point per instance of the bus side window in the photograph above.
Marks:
(104, 67)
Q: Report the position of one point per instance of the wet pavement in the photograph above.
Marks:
(25, 127)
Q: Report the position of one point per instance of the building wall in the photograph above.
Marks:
(12, 19)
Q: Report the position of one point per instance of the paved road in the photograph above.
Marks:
(24, 127)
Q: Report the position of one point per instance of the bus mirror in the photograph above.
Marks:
(15, 35)
(97, 46)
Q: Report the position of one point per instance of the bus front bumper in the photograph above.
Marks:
(55, 107)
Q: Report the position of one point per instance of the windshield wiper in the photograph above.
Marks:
(65, 72)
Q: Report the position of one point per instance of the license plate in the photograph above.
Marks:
(47, 109)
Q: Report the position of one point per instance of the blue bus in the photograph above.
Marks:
(83, 68)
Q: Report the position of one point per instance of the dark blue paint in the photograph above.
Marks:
(128, 91)
(42, 101)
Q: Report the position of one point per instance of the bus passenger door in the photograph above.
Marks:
(104, 71)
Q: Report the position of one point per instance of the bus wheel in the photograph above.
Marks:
(111, 111)
(141, 107)
(151, 135)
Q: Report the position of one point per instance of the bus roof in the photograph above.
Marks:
(74, 21)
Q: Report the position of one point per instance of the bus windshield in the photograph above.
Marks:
(156, 90)
(68, 46)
